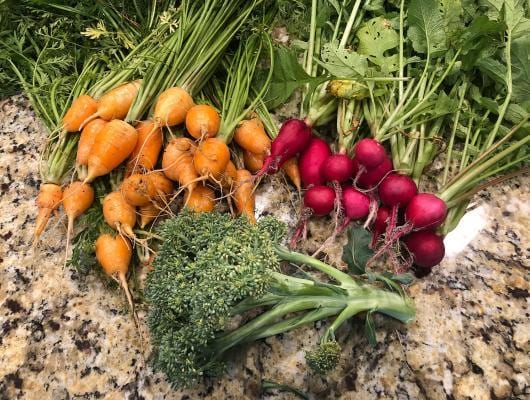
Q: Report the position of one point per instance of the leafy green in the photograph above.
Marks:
(357, 251)
(342, 63)
(376, 37)
(426, 27)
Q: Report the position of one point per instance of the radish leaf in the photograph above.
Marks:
(426, 27)
(357, 251)
(377, 37)
(343, 63)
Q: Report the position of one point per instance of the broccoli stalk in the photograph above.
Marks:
(211, 268)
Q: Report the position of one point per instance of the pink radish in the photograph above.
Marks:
(426, 247)
(397, 190)
(370, 153)
(356, 205)
(338, 168)
(425, 211)
(367, 179)
(380, 224)
(311, 161)
(320, 200)
(293, 138)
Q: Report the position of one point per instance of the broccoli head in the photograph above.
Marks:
(324, 358)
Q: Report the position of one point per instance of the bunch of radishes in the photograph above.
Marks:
(364, 187)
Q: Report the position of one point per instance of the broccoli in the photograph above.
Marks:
(211, 268)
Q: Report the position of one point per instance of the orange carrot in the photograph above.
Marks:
(148, 213)
(145, 155)
(163, 186)
(48, 200)
(114, 254)
(82, 108)
(138, 190)
(244, 194)
(203, 121)
(211, 158)
(172, 106)
(113, 144)
(250, 135)
(77, 198)
(290, 167)
(177, 162)
(253, 162)
(119, 214)
(228, 176)
(201, 199)
(115, 104)
(86, 142)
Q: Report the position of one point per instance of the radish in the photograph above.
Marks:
(426, 247)
(380, 224)
(293, 138)
(370, 153)
(397, 190)
(311, 162)
(356, 205)
(338, 168)
(320, 200)
(370, 178)
(425, 210)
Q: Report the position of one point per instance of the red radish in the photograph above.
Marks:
(426, 247)
(293, 138)
(320, 200)
(356, 205)
(367, 179)
(311, 162)
(370, 153)
(425, 210)
(338, 168)
(397, 190)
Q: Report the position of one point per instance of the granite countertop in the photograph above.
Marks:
(68, 336)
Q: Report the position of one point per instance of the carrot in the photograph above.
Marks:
(253, 162)
(119, 214)
(115, 103)
(113, 144)
(163, 186)
(148, 213)
(138, 189)
(145, 155)
(77, 198)
(228, 176)
(203, 121)
(290, 167)
(250, 135)
(49, 198)
(244, 194)
(114, 254)
(82, 108)
(172, 106)
(211, 158)
(201, 199)
(177, 162)
(86, 142)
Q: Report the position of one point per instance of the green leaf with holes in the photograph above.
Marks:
(378, 40)
(342, 63)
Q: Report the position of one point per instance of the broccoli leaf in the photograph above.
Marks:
(426, 27)
(357, 252)
(288, 75)
(343, 63)
(376, 37)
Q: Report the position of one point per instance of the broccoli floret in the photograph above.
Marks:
(211, 268)
(324, 358)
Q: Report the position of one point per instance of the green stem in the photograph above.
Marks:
(349, 25)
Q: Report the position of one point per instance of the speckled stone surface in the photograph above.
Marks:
(66, 336)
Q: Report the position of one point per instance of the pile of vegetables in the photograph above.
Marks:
(162, 111)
